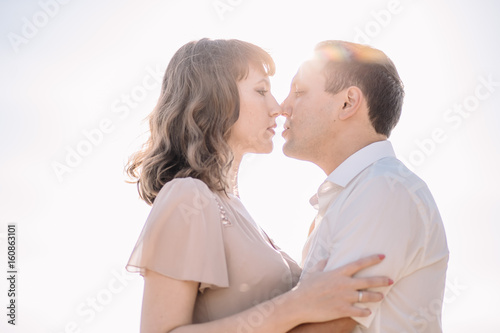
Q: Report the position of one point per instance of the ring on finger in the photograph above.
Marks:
(360, 296)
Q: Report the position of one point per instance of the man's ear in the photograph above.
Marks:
(352, 102)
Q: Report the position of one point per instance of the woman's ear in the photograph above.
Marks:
(352, 102)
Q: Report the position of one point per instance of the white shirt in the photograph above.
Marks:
(372, 204)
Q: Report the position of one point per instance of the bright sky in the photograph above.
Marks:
(79, 77)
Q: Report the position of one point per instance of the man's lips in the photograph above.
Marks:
(286, 127)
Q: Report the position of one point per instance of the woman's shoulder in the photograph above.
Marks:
(186, 182)
(190, 196)
(187, 186)
(183, 227)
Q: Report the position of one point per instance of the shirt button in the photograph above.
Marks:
(325, 188)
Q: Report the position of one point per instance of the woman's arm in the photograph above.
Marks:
(168, 303)
(342, 325)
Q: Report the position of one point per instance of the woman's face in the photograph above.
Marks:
(254, 129)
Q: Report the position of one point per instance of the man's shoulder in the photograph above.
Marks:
(391, 174)
(389, 180)
(391, 167)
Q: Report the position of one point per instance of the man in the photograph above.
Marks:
(341, 109)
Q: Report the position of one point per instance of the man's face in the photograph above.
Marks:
(311, 114)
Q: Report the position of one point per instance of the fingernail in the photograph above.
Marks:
(391, 282)
(381, 256)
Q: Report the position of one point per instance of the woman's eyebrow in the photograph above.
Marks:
(265, 80)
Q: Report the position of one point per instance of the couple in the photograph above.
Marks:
(376, 256)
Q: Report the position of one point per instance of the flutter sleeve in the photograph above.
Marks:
(182, 237)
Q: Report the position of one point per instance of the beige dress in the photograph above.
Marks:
(194, 234)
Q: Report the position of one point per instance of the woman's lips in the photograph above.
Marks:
(271, 128)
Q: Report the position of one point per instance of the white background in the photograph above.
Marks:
(66, 68)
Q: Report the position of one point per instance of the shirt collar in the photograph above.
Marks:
(359, 161)
(352, 166)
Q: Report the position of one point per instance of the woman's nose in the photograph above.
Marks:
(276, 109)
(285, 108)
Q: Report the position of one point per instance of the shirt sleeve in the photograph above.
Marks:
(182, 237)
(378, 217)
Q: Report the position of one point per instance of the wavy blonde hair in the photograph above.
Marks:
(191, 123)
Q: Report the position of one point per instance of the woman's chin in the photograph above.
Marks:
(267, 149)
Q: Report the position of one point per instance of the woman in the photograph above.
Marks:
(205, 262)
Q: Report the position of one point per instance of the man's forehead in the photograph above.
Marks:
(309, 68)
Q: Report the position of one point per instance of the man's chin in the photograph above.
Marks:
(288, 150)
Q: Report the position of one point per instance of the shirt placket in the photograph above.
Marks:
(327, 193)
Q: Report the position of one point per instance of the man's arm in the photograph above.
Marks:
(374, 214)
(342, 325)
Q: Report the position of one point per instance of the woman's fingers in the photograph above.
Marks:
(366, 296)
(354, 311)
(371, 282)
(356, 266)
(318, 267)
(337, 291)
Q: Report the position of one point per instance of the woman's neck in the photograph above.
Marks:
(232, 177)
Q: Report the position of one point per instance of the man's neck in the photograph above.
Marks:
(342, 151)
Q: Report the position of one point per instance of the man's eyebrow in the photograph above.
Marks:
(298, 76)
(296, 79)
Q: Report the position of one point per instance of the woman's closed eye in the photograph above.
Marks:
(262, 92)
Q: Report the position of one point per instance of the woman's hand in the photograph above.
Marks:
(168, 303)
(324, 296)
